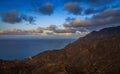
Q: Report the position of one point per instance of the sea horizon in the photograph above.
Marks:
(20, 47)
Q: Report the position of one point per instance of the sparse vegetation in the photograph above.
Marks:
(96, 53)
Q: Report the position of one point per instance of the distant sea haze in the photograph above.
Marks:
(35, 37)
(12, 48)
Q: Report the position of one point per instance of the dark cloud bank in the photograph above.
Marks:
(47, 9)
(14, 17)
(107, 17)
(73, 7)
(104, 12)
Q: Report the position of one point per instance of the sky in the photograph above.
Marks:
(58, 15)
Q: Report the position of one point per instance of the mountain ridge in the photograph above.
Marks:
(96, 53)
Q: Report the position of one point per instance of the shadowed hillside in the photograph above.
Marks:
(96, 53)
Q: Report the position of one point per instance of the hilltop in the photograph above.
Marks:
(96, 53)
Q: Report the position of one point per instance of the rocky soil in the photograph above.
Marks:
(96, 53)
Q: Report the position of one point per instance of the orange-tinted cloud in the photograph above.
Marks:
(107, 17)
(73, 7)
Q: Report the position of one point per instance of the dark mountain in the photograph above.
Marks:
(96, 53)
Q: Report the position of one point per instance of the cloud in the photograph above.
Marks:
(96, 6)
(55, 29)
(11, 17)
(51, 27)
(20, 31)
(27, 18)
(30, 19)
(47, 9)
(99, 2)
(66, 30)
(24, 17)
(89, 11)
(107, 17)
(73, 7)
(14, 17)
(1, 31)
(77, 23)
(107, 13)
(68, 19)
(39, 30)
(13, 31)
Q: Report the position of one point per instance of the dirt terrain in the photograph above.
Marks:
(96, 53)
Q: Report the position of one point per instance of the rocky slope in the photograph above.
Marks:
(96, 53)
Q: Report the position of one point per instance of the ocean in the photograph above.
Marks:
(21, 48)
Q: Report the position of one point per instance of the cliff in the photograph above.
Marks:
(96, 53)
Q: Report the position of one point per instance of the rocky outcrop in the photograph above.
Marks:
(96, 53)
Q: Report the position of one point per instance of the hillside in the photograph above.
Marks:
(96, 53)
